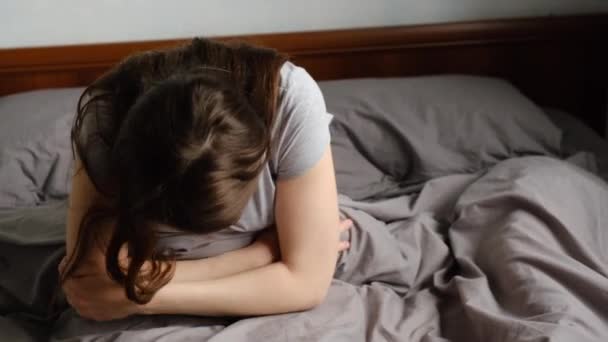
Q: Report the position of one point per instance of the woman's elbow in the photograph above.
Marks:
(311, 286)
(308, 301)
(313, 295)
(317, 298)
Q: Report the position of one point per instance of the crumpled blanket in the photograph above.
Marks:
(515, 253)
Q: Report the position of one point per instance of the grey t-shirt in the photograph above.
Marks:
(300, 136)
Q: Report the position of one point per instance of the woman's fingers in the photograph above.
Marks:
(345, 224)
(343, 245)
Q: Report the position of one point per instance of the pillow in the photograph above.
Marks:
(35, 153)
(391, 135)
(578, 137)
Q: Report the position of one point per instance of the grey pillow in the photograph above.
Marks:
(578, 137)
(391, 135)
(35, 154)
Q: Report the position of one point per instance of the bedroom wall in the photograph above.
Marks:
(41, 22)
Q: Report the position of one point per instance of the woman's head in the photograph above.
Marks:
(176, 137)
(188, 152)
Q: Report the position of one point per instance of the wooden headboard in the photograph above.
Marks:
(556, 61)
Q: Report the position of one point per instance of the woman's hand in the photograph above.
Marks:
(267, 240)
(344, 226)
(95, 296)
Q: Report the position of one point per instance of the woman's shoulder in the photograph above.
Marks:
(301, 129)
(295, 81)
(299, 94)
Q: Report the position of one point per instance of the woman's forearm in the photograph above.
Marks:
(271, 289)
(224, 265)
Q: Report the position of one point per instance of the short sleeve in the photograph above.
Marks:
(302, 124)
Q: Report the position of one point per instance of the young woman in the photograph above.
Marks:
(204, 185)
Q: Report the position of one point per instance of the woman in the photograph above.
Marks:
(183, 157)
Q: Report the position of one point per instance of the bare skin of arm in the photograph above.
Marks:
(261, 253)
(306, 212)
(84, 194)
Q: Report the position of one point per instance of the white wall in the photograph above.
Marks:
(58, 22)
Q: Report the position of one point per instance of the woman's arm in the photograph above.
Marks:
(306, 218)
(84, 195)
(261, 253)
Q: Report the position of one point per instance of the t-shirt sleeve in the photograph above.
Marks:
(303, 124)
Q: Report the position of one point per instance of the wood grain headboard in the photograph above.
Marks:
(556, 61)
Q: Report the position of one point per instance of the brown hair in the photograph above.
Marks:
(174, 136)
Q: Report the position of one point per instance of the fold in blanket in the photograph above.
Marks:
(531, 244)
(518, 253)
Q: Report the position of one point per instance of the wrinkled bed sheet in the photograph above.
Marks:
(516, 253)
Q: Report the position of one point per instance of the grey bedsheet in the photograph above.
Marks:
(517, 252)
(578, 137)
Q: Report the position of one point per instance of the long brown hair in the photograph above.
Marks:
(175, 136)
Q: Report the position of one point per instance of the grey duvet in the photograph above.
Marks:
(515, 252)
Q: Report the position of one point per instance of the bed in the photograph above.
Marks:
(469, 155)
